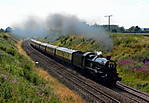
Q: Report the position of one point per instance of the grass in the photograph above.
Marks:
(126, 48)
(65, 95)
(78, 43)
(134, 47)
(19, 83)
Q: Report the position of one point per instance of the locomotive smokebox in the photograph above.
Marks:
(108, 57)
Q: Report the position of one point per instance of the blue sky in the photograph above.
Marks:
(125, 12)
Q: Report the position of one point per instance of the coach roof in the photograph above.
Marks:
(51, 46)
(66, 50)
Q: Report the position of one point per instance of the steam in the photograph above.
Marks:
(57, 25)
(32, 27)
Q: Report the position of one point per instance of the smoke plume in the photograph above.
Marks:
(32, 27)
(57, 25)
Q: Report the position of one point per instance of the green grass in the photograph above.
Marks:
(135, 48)
(19, 83)
(78, 43)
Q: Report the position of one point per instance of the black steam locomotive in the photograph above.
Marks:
(102, 69)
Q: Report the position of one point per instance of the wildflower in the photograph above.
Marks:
(4, 76)
(41, 94)
(146, 63)
(123, 62)
(143, 69)
(49, 99)
(15, 80)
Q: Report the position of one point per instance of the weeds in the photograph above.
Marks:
(18, 81)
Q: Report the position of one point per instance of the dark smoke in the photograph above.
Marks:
(32, 27)
(57, 25)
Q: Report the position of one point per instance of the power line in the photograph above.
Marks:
(109, 16)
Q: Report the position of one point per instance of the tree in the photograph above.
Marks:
(137, 29)
(2, 30)
(131, 29)
(134, 29)
(114, 30)
(122, 29)
(8, 29)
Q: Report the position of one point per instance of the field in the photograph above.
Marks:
(131, 53)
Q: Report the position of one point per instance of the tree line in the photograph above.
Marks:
(133, 29)
(113, 29)
(117, 29)
(8, 29)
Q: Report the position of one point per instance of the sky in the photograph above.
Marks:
(125, 13)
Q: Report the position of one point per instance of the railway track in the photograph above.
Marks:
(132, 93)
(89, 90)
(88, 93)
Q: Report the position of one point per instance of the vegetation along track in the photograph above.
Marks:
(89, 90)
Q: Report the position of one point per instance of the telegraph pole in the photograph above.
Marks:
(109, 16)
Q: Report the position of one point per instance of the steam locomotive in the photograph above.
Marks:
(101, 69)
